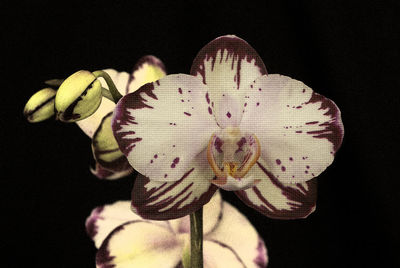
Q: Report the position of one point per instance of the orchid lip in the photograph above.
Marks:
(231, 154)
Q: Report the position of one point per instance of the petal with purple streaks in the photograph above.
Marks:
(298, 129)
(140, 243)
(163, 126)
(212, 214)
(157, 200)
(279, 200)
(227, 65)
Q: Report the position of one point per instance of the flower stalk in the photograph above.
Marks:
(113, 90)
(196, 239)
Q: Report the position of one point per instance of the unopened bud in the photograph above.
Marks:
(78, 97)
(40, 106)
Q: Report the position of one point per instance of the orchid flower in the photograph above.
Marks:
(227, 125)
(110, 162)
(124, 239)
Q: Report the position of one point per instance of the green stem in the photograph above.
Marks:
(107, 94)
(113, 90)
(196, 239)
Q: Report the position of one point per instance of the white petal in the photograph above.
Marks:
(170, 200)
(212, 214)
(163, 126)
(104, 219)
(298, 129)
(227, 65)
(279, 200)
(139, 244)
(239, 236)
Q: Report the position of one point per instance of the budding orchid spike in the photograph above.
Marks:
(78, 97)
(40, 106)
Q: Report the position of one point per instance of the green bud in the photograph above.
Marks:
(78, 97)
(40, 106)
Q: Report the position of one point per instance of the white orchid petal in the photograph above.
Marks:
(212, 214)
(147, 69)
(279, 200)
(170, 200)
(163, 126)
(227, 65)
(298, 129)
(139, 244)
(236, 232)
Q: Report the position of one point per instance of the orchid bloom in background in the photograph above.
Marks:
(110, 161)
(227, 125)
(124, 239)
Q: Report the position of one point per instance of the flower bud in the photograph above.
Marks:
(40, 106)
(78, 97)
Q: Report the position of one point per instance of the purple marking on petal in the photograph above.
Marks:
(212, 104)
(165, 175)
(150, 60)
(180, 90)
(259, 89)
(334, 130)
(283, 168)
(236, 48)
(207, 98)
(251, 86)
(307, 167)
(306, 171)
(258, 103)
(91, 227)
(155, 156)
(278, 161)
(158, 82)
(305, 198)
(299, 131)
(299, 107)
(304, 90)
(261, 259)
(291, 158)
(182, 101)
(209, 110)
(188, 114)
(151, 161)
(173, 145)
(228, 114)
(245, 104)
(142, 199)
(218, 144)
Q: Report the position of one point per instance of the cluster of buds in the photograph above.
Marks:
(77, 98)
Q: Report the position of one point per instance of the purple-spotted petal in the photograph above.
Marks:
(163, 126)
(139, 243)
(147, 69)
(279, 200)
(212, 212)
(102, 173)
(227, 65)
(236, 234)
(90, 124)
(298, 129)
(170, 200)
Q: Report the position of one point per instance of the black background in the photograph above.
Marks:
(345, 50)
